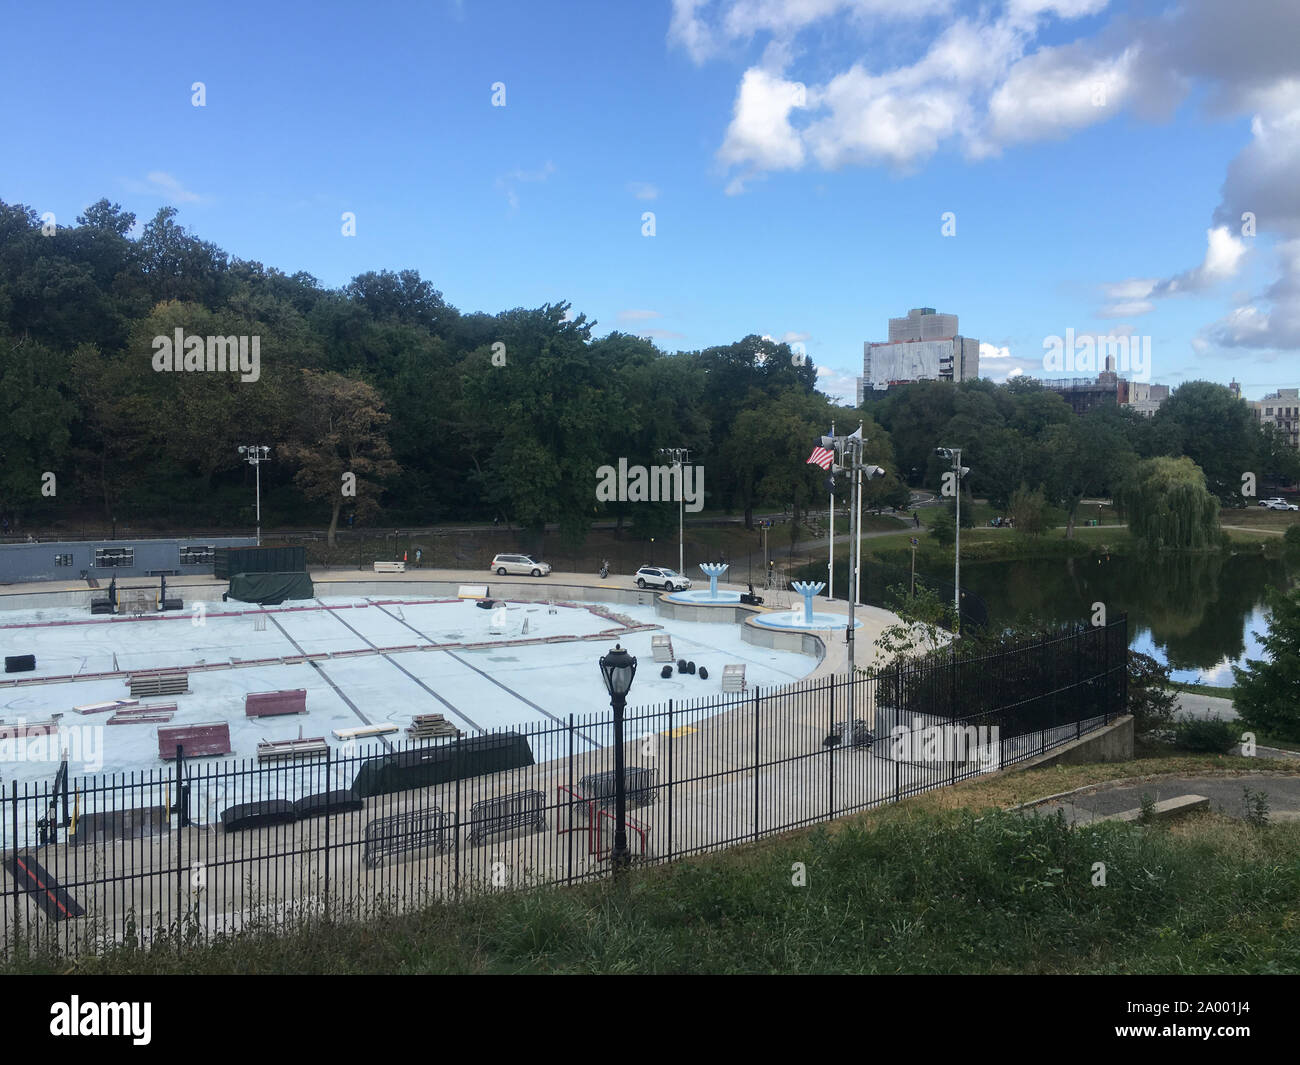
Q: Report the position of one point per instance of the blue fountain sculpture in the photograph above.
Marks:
(808, 589)
(714, 570)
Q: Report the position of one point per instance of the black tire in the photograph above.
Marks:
(501, 572)
(640, 583)
(537, 573)
(668, 586)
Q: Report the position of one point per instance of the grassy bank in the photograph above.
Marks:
(943, 883)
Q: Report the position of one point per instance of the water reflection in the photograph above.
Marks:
(1196, 612)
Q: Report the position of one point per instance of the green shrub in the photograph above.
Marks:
(1150, 700)
(1292, 536)
(1208, 736)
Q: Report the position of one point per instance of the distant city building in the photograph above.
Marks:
(1084, 393)
(1280, 408)
(924, 346)
(859, 392)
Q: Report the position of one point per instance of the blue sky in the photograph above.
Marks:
(798, 156)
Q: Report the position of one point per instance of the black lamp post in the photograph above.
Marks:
(618, 668)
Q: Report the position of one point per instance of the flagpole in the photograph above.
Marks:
(830, 564)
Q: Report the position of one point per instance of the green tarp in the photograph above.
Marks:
(228, 561)
(441, 764)
(268, 589)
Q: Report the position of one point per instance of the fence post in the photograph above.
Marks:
(180, 865)
(1105, 667)
(327, 839)
(17, 891)
(757, 705)
(670, 780)
(830, 751)
(569, 835)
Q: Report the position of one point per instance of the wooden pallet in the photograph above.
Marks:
(157, 713)
(431, 726)
(172, 683)
(283, 750)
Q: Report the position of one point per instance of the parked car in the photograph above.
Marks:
(657, 576)
(1278, 503)
(524, 565)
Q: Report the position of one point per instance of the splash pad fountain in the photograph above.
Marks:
(713, 597)
(806, 618)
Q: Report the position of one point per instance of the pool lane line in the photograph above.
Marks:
(326, 677)
(389, 659)
(504, 687)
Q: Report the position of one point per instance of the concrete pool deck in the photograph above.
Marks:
(830, 645)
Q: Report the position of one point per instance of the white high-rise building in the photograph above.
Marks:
(924, 346)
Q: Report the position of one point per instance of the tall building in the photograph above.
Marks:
(1280, 408)
(924, 346)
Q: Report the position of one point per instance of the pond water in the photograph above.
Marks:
(1198, 613)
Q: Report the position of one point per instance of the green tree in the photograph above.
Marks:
(1267, 691)
(1215, 429)
(340, 431)
(1028, 511)
(1168, 505)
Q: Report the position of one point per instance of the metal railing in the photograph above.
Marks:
(148, 857)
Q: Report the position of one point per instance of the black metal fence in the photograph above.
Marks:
(179, 854)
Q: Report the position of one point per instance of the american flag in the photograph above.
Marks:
(821, 457)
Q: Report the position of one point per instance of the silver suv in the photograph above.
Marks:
(1277, 503)
(657, 576)
(524, 565)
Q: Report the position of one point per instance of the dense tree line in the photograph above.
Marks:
(442, 414)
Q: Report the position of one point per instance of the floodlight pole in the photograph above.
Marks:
(255, 455)
(679, 456)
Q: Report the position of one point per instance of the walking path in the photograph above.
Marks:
(1226, 792)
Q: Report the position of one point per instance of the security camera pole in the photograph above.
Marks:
(851, 458)
(256, 454)
(959, 471)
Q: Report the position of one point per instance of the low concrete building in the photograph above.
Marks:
(105, 559)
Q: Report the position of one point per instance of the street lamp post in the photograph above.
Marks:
(618, 668)
(255, 455)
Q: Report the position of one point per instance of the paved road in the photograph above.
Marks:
(1203, 707)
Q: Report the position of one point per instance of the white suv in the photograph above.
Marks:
(667, 579)
(1277, 503)
(521, 564)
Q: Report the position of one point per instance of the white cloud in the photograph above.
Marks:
(161, 183)
(1056, 91)
(838, 385)
(760, 135)
(791, 337)
(637, 316)
(509, 182)
(643, 190)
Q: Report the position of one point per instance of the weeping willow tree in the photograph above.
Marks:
(1169, 506)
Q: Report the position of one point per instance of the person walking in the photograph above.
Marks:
(418, 555)
(916, 520)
